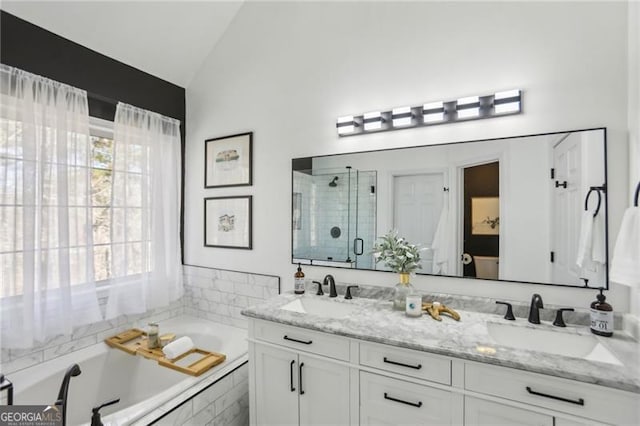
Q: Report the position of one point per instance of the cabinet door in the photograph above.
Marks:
(388, 401)
(324, 392)
(481, 412)
(276, 386)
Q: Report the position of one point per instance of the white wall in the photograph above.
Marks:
(287, 70)
(634, 114)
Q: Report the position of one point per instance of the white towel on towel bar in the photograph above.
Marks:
(598, 246)
(625, 264)
(586, 239)
(440, 244)
(592, 253)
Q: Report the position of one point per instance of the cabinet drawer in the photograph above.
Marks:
(479, 412)
(303, 340)
(581, 399)
(416, 364)
(384, 400)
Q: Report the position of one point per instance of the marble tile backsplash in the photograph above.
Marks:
(220, 295)
(215, 294)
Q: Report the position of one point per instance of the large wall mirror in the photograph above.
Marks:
(527, 208)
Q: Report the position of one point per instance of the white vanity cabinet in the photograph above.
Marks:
(299, 376)
(295, 380)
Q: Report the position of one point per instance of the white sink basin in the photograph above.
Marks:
(553, 342)
(320, 307)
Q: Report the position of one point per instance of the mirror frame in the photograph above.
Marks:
(302, 163)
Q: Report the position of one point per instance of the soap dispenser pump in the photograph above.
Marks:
(298, 286)
(601, 316)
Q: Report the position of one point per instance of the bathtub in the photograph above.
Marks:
(141, 384)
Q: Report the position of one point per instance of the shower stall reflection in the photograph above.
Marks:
(334, 215)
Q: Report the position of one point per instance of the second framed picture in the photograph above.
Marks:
(228, 161)
(227, 222)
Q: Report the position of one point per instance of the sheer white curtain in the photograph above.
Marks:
(46, 248)
(145, 248)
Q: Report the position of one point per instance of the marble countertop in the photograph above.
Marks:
(374, 320)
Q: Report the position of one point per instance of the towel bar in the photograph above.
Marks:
(586, 199)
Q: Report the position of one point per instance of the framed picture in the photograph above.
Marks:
(227, 222)
(228, 161)
(485, 215)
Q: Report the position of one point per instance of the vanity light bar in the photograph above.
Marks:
(346, 125)
(468, 108)
(507, 102)
(433, 112)
(373, 121)
(401, 116)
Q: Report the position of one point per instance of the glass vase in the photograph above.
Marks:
(401, 290)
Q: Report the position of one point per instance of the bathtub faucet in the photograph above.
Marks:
(72, 371)
(6, 384)
(95, 417)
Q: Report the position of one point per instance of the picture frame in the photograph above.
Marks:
(485, 216)
(228, 222)
(228, 161)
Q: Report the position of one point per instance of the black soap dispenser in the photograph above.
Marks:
(601, 316)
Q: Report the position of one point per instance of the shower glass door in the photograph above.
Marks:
(333, 214)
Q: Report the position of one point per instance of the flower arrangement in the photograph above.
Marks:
(397, 253)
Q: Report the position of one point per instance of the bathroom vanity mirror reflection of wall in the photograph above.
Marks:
(527, 208)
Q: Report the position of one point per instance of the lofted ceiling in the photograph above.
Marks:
(168, 39)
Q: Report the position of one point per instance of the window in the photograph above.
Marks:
(121, 243)
(11, 248)
(116, 224)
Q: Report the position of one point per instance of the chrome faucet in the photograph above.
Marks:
(332, 285)
(534, 309)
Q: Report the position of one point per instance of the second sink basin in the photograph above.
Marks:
(553, 342)
(320, 307)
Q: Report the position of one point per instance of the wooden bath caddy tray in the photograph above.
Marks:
(134, 342)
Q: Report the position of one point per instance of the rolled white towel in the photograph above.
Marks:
(176, 348)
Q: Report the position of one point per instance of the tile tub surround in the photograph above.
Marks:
(12, 360)
(224, 402)
(214, 294)
(375, 321)
(147, 391)
(220, 295)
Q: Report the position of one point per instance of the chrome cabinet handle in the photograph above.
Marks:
(413, 404)
(580, 401)
(293, 389)
(308, 342)
(388, 361)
